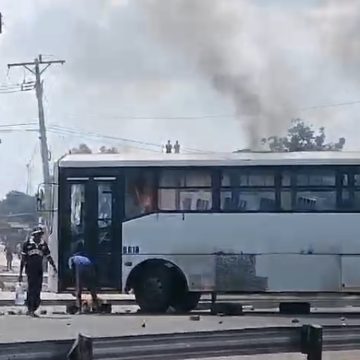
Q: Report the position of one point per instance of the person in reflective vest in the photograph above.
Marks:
(34, 250)
(84, 275)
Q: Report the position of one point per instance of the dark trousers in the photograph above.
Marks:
(9, 263)
(85, 277)
(35, 280)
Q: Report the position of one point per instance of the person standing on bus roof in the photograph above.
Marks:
(33, 252)
(177, 147)
(168, 147)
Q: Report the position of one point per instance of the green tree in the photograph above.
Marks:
(82, 149)
(85, 149)
(110, 150)
(19, 205)
(302, 137)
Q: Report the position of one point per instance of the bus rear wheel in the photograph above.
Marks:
(153, 290)
(187, 302)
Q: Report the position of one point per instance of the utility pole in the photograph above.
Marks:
(38, 67)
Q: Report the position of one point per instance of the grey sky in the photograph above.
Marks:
(118, 69)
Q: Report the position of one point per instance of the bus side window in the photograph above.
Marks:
(77, 214)
(248, 189)
(304, 203)
(186, 204)
(350, 192)
(140, 193)
(185, 190)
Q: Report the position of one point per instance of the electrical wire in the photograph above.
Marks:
(81, 135)
(92, 134)
(134, 117)
(17, 87)
(126, 140)
(20, 127)
(18, 130)
(10, 91)
(148, 146)
(8, 87)
(19, 124)
(348, 103)
(206, 116)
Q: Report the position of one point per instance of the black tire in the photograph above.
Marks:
(187, 302)
(153, 290)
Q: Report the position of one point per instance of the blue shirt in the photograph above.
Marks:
(79, 260)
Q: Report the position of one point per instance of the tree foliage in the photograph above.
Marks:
(82, 149)
(110, 150)
(302, 137)
(18, 204)
(85, 149)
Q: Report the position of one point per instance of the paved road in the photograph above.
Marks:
(51, 327)
(22, 328)
(257, 301)
(346, 355)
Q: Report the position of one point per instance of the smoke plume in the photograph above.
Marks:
(235, 47)
(338, 24)
(135, 57)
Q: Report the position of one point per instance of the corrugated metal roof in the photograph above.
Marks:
(210, 159)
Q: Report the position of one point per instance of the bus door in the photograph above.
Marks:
(92, 217)
(105, 236)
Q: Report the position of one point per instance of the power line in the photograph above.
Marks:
(80, 135)
(18, 130)
(205, 116)
(17, 84)
(13, 88)
(19, 124)
(134, 117)
(10, 86)
(109, 137)
(22, 127)
(10, 91)
(348, 103)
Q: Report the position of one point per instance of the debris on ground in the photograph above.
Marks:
(195, 317)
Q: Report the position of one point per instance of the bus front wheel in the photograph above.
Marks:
(153, 290)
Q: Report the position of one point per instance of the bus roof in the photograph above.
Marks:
(209, 159)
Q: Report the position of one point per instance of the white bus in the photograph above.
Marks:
(172, 226)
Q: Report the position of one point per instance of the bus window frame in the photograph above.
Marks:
(351, 186)
(293, 188)
(210, 188)
(216, 185)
